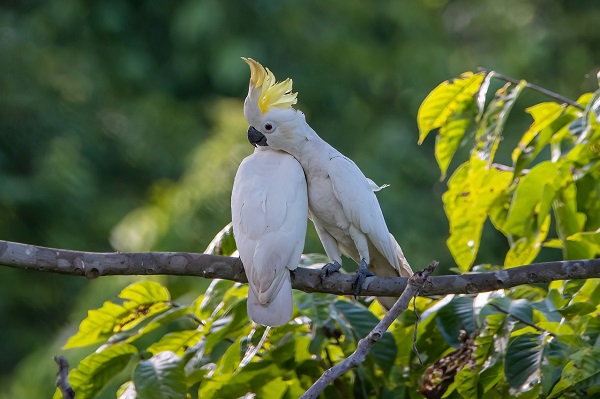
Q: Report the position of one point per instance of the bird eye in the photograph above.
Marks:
(268, 126)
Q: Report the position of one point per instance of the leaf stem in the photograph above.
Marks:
(535, 87)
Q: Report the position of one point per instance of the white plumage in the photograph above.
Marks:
(269, 211)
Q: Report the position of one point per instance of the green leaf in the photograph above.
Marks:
(444, 100)
(168, 317)
(539, 133)
(176, 342)
(569, 222)
(315, 306)
(362, 321)
(160, 377)
(533, 196)
(489, 131)
(524, 250)
(523, 359)
(590, 243)
(577, 309)
(223, 371)
(583, 371)
(210, 304)
(224, 243)
(127, 391)
(136, 303)
(95, 371)
(451, 134)
(457, 315)
(472, 191)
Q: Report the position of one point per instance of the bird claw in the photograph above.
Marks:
(329, 269)
(361, 275)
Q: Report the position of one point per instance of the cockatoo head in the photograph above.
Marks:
(268, 110)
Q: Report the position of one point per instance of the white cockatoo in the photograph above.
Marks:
(341, 200)
(269, 209)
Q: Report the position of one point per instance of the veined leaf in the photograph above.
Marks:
(472, 191)
(529, 202)
(489, 131)
(137, 302)
(223, 243)
(315, 306)
(583, 371)
(445, 99)
(525, 249)
(569, 222)
(362, 322)
(176, 342)
(590, 242)
(523, 359)
(456, 316)
(160, 377)
(451, 134)
(539, 133)
(165, 318)
(95, 371)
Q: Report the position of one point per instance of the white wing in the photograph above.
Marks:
(269, 207)
(355, 192)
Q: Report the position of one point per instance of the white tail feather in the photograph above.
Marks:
(276, 312)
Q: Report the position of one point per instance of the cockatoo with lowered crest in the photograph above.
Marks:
(269, 209)
(341, 200)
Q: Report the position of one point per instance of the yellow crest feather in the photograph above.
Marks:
(272, 94)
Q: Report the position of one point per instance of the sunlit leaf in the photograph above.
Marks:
(164, 319)
(525, 249)
(135, 303)
(472, 190)
(569, 222)
(444, 100)
(533, 196)
(95, 371)
(539, 133)
(160, 377)
(451, 134)
(489, 130)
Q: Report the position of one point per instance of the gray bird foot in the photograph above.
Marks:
(361, 275)
(329, 269)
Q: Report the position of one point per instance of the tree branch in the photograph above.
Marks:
(93, 265)
(415, 283)
(61, 381)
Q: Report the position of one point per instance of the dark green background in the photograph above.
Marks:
(121, 124)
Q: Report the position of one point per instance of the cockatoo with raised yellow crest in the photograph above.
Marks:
(341, 200)
(269, 209)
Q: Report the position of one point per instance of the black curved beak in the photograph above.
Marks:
(256, 138)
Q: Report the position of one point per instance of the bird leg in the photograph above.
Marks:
(329, 269)
(361, 275)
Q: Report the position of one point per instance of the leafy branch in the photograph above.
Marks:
(415, 284)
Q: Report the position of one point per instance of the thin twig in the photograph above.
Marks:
(364, 345)
(414, 344)
(62, 382)
(535, 87)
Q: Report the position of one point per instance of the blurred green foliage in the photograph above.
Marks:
(121, 124)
